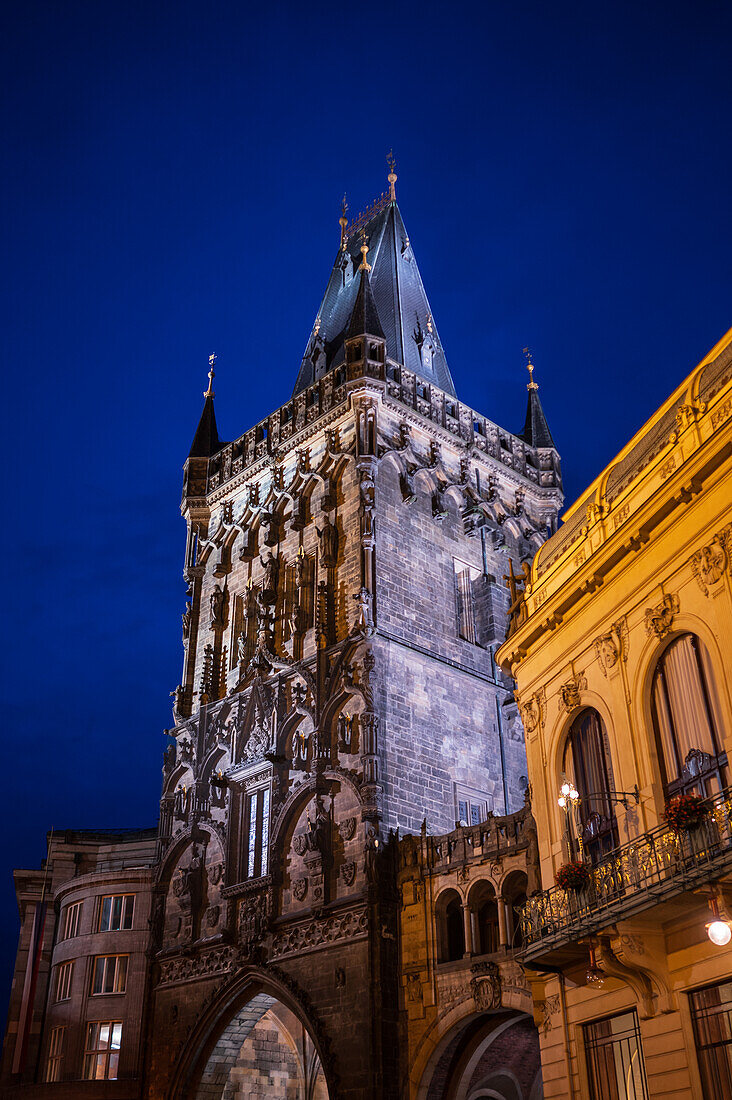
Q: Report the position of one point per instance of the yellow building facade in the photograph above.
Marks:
(620, 647)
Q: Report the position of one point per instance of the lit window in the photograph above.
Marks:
(64, 974)
(70, 921)
(55, 1057)
(615, 1059)
(250, 839)
(711, 1011)
(687, 719)
(101, 1054)
(110, 974)
(116, 912)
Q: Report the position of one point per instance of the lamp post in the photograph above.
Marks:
(568, 801)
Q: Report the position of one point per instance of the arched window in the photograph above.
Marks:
(450, 927)
(686, 719)
(587, 759)
(484, 919)
(514, 896)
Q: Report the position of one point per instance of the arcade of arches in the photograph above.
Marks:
(263, 1051)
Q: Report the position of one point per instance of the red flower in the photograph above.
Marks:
(685, 811)
(573, 876)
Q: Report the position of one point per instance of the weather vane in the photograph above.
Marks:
(211, 362)
(364, 265)
(530, 367)
(343, 220)
(392, 177)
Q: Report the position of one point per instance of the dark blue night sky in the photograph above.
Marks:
(171, 187)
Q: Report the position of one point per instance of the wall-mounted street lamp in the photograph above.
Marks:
(568, 801)
(719, 929)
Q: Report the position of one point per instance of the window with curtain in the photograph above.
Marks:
(615, 1059)
(711, 1011)
(589, 762)
(685, 710)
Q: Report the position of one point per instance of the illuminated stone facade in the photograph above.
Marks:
(345, 565)
(621, 652)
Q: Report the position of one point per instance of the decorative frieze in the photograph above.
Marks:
(195, 967)
(320, 932)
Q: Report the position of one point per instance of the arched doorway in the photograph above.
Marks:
(493, 1055)
(264, 1050)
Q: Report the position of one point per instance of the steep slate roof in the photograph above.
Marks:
(536, 430)
(399, 295)
(206, 441)
(365, 317)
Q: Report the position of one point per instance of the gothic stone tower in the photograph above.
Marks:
(345, 565)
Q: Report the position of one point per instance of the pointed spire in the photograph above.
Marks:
(536, 430)
(206, 441)
(365, 316)
(392, 177)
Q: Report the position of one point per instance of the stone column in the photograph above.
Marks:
(468, 930)
(502, 922)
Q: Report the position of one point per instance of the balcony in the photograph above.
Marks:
(649, 870)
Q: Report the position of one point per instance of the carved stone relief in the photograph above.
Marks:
(612, 646)
(659, 619)
(710, 563)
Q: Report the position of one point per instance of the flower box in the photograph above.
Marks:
(685, 812)
(574, 876)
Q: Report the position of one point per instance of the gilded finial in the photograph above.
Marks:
(530, 367)
(211, 361)
(429, 322)
(364, 265)
(316, 328)
(392, 177)
(343, 221)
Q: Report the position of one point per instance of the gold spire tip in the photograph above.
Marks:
(211, 361)
(364, 265)
(531, 385)
(392, 177)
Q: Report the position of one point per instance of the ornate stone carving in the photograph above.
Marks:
(549, 1008)
(313, 933)
(709, 564)
(328, 535)
(215, 873)
(348, 872)
(612, 646)
(485, 986)
(299, 844)
(217, 603)
(212, 915)
(347, 828)
(414, 987)
(189, 968)
(570, 693)
(300, 888)
(659, 619)
(252, 916)
(532, 713)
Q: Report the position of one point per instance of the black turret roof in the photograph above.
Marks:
(536, 430)
(399, 298)
(365, 317)
(206, 441)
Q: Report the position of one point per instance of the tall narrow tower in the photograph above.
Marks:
(345, 565)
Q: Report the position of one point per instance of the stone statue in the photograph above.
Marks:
(270, 564)
(317, 832)
(241, 647)
(300, 741)
(216, 602)
(328, 535)
(186, 617)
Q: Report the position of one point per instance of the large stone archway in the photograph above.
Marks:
(263, 1051)
(493, 1055)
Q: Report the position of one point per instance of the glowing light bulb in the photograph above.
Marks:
(719, 932)
(574, 794)
(595, 977)
(562, 801)
(565, 789)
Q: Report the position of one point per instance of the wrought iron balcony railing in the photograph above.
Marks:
(634, 877)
